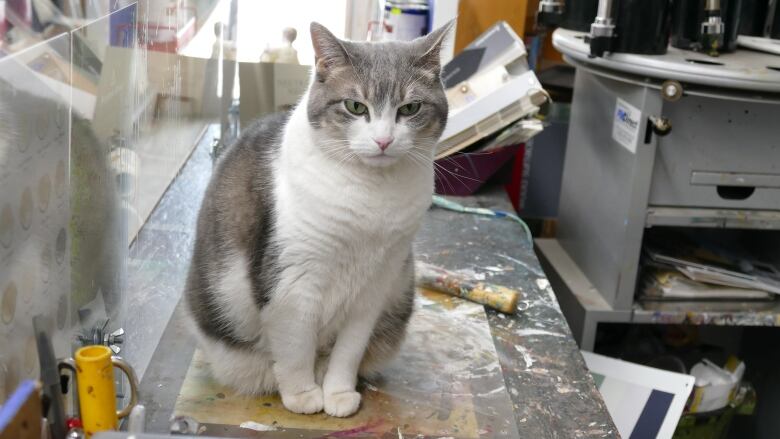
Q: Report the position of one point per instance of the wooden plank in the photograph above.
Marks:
(477, 16)
(20, 416)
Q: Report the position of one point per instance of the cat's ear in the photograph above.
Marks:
(429, 47)
(328, 50)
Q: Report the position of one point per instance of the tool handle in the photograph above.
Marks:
(495, 296)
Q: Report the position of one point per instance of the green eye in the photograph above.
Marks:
(355, 108)
(409, 109)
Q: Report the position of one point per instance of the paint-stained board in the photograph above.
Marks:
(445, 381)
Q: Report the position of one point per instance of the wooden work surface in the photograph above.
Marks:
(541, 387)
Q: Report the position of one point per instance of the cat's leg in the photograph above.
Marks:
(341, 399)
(388, 333)
(358, 333)
(292, 322)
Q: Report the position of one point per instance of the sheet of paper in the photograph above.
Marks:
(643, 401)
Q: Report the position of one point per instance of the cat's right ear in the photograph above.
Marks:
(329, 53)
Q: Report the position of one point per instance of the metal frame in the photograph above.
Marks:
(610, 192)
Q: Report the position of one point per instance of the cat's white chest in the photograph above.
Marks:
(357, 234)
(350, 226)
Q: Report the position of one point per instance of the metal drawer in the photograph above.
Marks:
(720, 153)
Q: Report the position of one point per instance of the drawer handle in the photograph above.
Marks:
(735, 192)
(707, 178)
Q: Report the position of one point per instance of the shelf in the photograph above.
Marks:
(713, 218)
(584, 305)
(722, 313)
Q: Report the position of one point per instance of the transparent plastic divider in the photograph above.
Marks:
(144, 107)
(35, 235)
(95, 124)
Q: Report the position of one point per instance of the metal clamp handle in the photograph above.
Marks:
(130, 373)
(67, 363)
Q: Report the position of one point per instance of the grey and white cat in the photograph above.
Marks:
(302, 275)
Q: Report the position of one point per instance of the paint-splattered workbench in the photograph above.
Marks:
(464, 371)
(552, 393)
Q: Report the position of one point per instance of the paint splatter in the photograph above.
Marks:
(357, 431)
(531, 332)
(525, 265)
(529, 362)
(256, 426)
(565, 389)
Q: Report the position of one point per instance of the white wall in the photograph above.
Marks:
(261, 23)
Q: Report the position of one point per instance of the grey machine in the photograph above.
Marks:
(679, 139)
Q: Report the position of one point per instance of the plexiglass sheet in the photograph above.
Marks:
(139, 109)
(35, 236)
(94, 126)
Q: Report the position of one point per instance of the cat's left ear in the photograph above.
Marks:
(430, 47)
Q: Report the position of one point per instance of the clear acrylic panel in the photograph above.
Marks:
(94, 126)
(139, 109)
(35, 236)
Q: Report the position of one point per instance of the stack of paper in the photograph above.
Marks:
(701, 274)
(674, 285)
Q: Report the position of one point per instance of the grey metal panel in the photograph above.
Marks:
(567, 282)
(582, 305)
(713, 218)
(716, 136)
(735, 179)
(743, 69)
(728, 94)
(605, 187)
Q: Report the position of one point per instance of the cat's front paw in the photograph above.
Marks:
(342, 404)
(307, 402)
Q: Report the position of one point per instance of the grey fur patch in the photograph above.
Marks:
(237, 214)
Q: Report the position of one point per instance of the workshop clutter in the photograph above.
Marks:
(85, 383)
(493, 98)
(715, 386)
(718, 395)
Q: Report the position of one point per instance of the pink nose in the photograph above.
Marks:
(383, 142)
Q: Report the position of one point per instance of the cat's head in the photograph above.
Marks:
(375, 103)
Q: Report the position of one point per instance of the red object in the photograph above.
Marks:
(514, 189)
(164, 38)
(463, 174)
(150, 36)
(72, 423)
